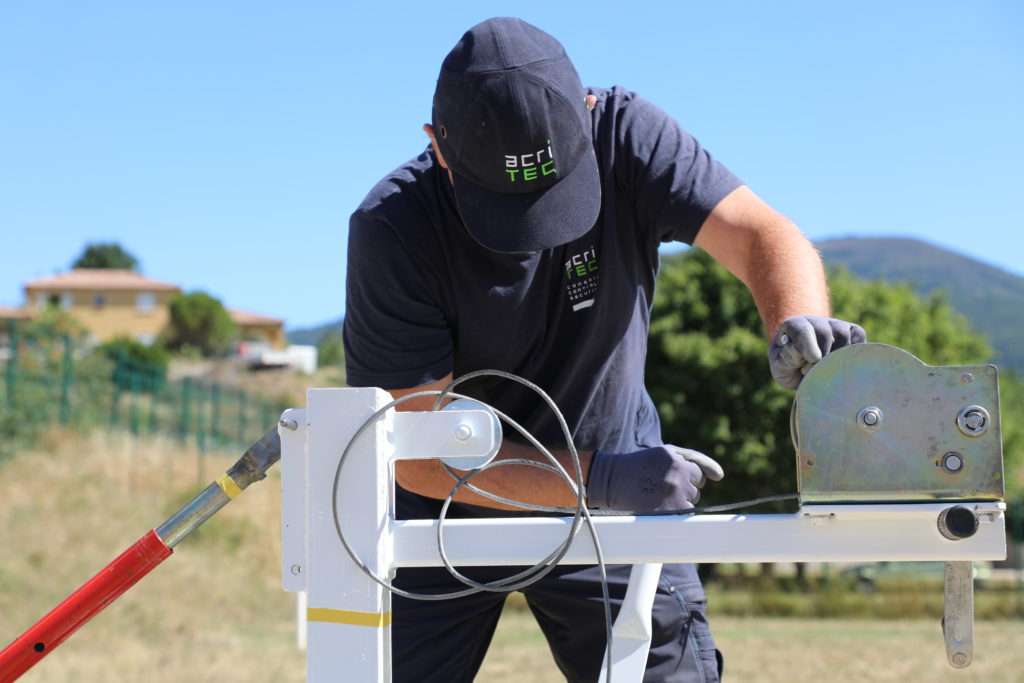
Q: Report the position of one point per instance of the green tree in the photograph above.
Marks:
(106, 255)
(707, 367)
(1011, 399)
(330, 350)
(198, 321)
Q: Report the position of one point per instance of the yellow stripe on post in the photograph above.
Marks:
(228, 486)
(344, 616)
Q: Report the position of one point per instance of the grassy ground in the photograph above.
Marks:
(773, 650)
(215, 610)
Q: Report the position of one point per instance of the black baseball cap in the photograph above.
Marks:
(510, 119)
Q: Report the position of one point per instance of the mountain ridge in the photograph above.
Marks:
(990, 297)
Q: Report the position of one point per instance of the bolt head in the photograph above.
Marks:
(973, 421)
(952, 462)
(296, 569)
(960, 659)
(463, 432)
(870, 417)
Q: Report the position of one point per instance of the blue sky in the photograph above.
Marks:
(226, 143)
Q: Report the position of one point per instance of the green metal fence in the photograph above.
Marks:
(51, 380)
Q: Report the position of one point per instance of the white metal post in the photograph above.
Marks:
(349, 615)
(631, 635)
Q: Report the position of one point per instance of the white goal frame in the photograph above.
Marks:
(349, 615)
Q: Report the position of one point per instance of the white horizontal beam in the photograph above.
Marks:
(816, 533)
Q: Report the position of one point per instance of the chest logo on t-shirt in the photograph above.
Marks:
(582, 277)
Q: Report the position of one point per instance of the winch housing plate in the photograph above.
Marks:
(872, 422)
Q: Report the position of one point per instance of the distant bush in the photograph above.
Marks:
(198, 321)
(135, 363)
(135, 352)
(49, 325)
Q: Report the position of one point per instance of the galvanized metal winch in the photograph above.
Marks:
(873, 423)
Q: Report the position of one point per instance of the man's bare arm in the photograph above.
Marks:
(528, 484)
(769, 254)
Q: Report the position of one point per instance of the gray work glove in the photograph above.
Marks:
(651, 480)
(803, 340)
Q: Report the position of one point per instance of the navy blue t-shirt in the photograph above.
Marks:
(425, 299)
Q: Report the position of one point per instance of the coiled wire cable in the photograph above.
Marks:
(521, 579)
(580, 513)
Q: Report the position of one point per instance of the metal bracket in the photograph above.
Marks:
(462, 438)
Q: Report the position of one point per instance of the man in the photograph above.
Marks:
(525, 239)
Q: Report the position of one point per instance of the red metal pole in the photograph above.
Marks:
(134, 563)
(98, 592)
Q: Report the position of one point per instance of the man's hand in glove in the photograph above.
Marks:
(803, 340)
(651, 480)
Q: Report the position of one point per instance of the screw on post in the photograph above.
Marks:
(463, 432)
(870, 417)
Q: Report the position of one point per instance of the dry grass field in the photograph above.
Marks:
(215, 610)
(798, 651)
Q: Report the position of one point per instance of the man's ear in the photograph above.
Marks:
(429, 130)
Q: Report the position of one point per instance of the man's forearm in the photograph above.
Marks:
(515, 482)
(769, 254)
(786, 276)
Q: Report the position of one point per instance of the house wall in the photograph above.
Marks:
(119, 313)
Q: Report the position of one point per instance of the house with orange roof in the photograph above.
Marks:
(256, 327)
(112, 303)
(107, 303)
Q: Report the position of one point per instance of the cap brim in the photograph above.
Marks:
(532, 221)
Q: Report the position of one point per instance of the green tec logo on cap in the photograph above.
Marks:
(529, 167)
